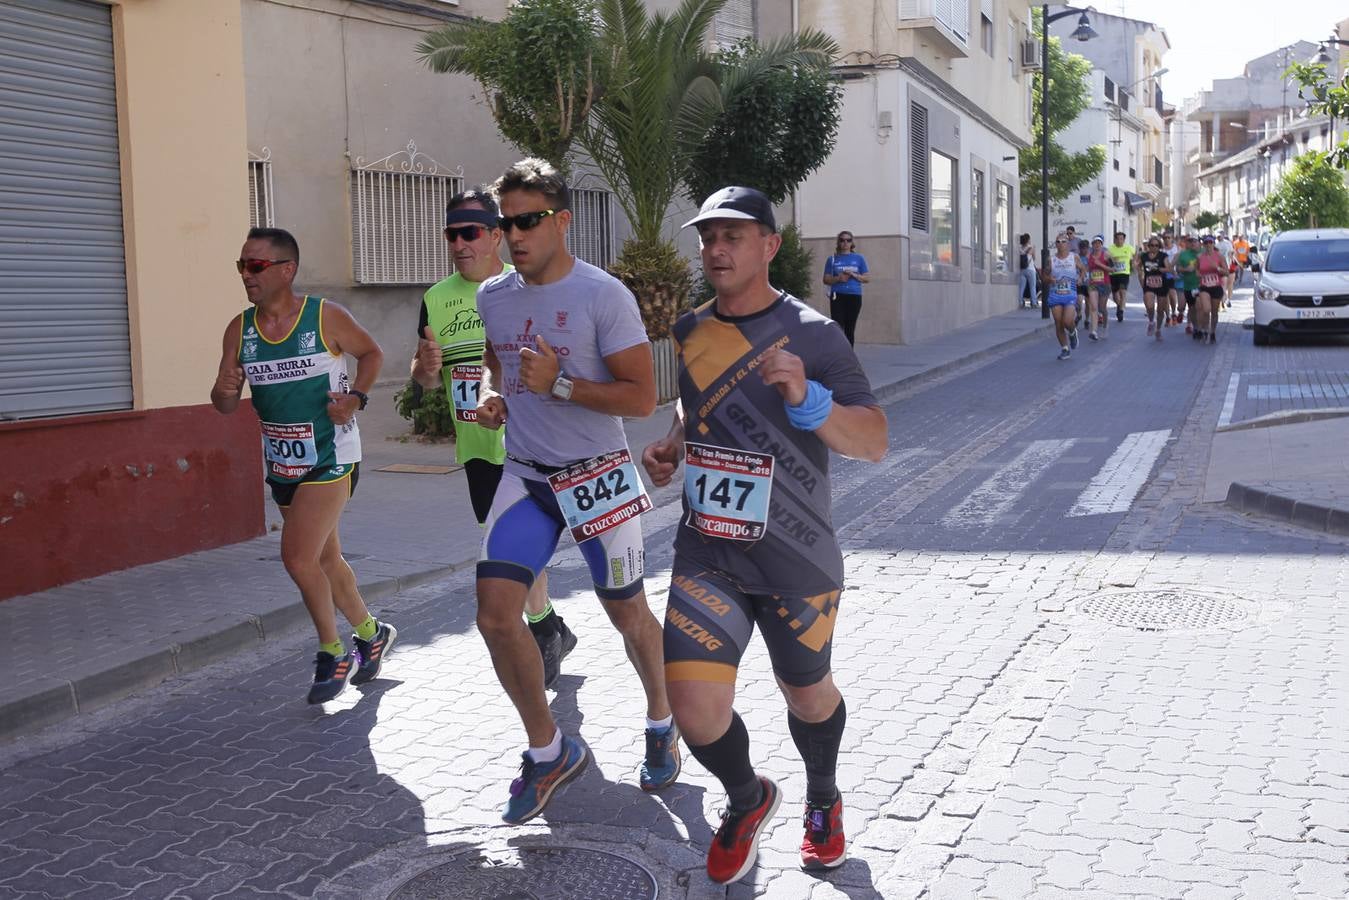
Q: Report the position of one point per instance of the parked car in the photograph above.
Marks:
(1303, 287)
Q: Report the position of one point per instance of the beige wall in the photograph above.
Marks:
(184, 183)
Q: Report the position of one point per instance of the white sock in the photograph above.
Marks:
(550, 752)
(657, 724)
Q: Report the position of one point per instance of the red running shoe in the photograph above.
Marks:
(824, 846)
(736, 844)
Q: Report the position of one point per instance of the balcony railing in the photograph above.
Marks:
(945, 19)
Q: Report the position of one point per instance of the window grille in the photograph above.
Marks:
(919, 187)
(261, 199)
(734, 23)
(592, 226)
(397, 218)
(977, 217)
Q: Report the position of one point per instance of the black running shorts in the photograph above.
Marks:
(709, 621)
(284, 492)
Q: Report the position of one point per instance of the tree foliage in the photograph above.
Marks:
(540, 68)
(775, 125)
(1069, 95)
(1311, 195)
(1327, 98)
(1206, 220)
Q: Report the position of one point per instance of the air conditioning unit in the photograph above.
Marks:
(1030, 54)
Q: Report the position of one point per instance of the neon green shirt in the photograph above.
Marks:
(1123, 257)
(451, 309)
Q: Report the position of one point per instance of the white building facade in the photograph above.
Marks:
(924, 173)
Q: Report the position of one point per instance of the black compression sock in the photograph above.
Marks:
(547, 623)
(727, 758)
(818, 744)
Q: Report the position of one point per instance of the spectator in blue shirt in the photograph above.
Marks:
(845, 272)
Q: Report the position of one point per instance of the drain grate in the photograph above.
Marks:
(531, 873)
(1164, 610)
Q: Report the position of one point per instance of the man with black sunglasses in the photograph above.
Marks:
(450, 352)
(567, 357)
(290, 349)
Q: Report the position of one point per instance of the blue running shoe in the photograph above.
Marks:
(331, 675)
(661, 766)
(372, 652)
(531, 792)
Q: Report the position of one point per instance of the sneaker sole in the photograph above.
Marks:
(360, 678)
(753, 855)
(577, 768)
(819, 865)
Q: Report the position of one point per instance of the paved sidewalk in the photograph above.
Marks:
(84, 645)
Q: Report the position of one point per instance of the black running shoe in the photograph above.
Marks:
(554, 648)
(373, 652)
(1119, 314)
(331, 675)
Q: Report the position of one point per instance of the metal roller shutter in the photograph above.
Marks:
(64, 336)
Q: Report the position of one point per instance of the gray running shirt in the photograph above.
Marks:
(585, 316)
(726, 404)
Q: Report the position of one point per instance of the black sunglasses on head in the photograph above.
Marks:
(524, 221)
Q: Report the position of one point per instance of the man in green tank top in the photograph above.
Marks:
(290, 349)
(450, 353)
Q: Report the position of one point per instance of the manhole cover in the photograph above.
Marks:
(531, 873)
(1164, 610)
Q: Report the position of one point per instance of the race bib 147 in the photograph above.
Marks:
(727, 491)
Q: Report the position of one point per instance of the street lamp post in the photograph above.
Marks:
(1083, 32)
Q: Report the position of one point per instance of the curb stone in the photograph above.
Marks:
(1262, 501)
(48, 701)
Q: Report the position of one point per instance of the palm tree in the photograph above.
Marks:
(538, 68)
(662, 93)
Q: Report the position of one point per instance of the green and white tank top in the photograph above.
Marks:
(290, 379)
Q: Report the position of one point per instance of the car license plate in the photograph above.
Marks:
(1317, 313)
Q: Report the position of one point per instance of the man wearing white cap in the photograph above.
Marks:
(767, 387)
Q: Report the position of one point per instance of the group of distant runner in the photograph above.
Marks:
(541, 361)
(1185, 281)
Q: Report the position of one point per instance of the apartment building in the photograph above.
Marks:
(924, 174)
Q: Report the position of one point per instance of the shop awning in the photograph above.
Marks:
(1136, 202)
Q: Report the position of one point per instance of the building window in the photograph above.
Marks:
(734, 23)
(1002, 227)
(919, 186)
(592, 226)
(397, 217)
(986, 34)
(977, 217)
(261, 205)
(942, 203)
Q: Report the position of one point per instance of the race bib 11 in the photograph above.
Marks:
(599, 494)
(465, 385)
(727, 491)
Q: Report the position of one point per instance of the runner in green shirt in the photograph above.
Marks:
(1122, 254)
(290, 349)
(1187, 262)
(450, 353)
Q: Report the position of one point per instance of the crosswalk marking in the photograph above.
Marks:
(1115, 486)
(1000, 491)
(1230, 401)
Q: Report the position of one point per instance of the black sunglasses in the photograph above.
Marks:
(524, 221)
(254, 266)
(466, 232)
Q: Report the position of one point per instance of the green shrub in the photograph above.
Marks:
(428, 410)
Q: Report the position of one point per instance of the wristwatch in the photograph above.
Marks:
(562, 387)
(362, 396)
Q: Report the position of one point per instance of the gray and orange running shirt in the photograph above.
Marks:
(734, 423)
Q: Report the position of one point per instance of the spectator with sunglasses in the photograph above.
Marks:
(567, 357)
(291, 348)
(450, 342)
(845, 271)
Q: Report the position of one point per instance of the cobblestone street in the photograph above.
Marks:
(1009, 733)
